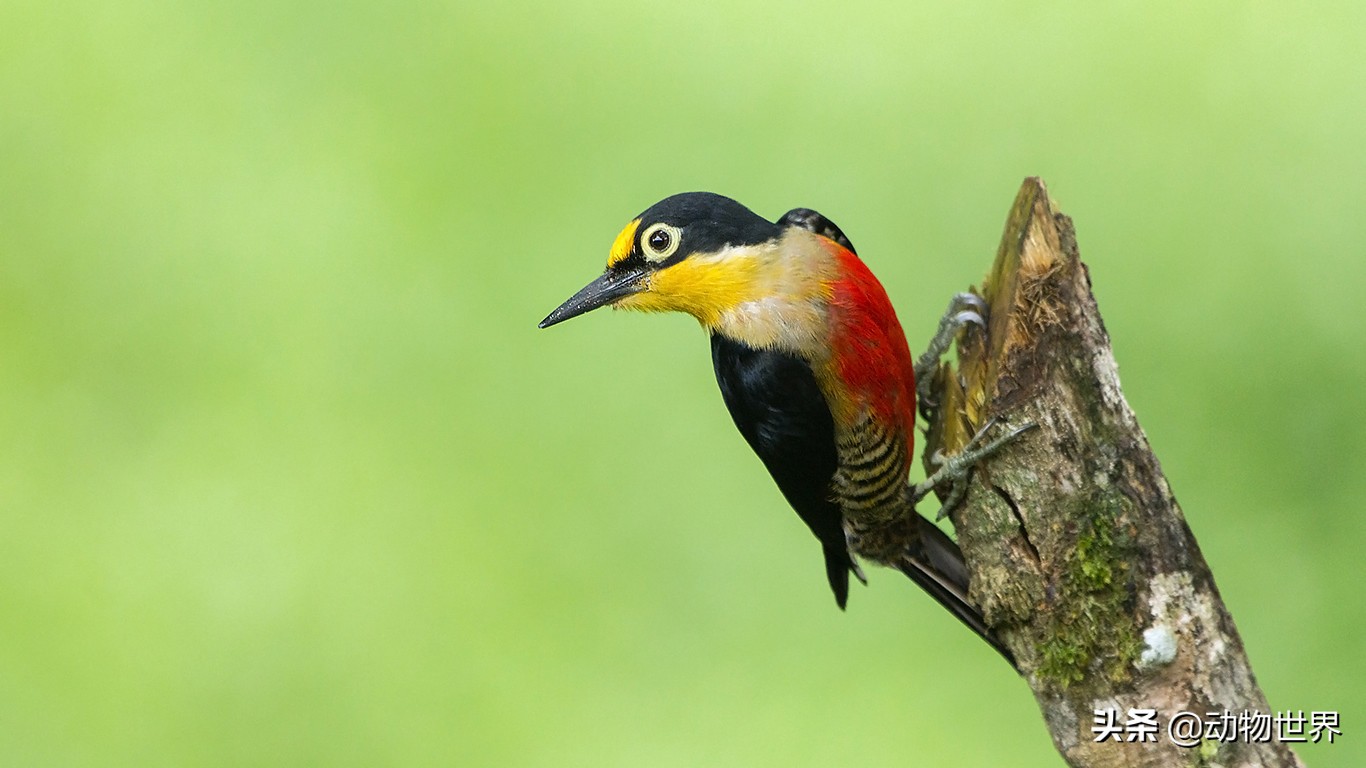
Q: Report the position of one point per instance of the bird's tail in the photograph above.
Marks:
(936, 564)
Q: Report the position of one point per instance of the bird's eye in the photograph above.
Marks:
(659, 242)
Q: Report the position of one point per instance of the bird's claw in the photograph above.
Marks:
(955, 469)
(964, 309)
(971, 300)
(966, 316)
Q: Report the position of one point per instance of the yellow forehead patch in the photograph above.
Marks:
(621, 247)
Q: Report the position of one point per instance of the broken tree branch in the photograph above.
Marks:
(1081, 558)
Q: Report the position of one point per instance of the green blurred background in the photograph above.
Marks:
(289, 477)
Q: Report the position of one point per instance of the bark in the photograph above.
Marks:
(1081, 558)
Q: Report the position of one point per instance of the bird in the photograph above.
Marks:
(815, 370)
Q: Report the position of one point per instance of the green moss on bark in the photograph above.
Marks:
(1093, 625)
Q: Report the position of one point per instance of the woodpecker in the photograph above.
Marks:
(814, 369)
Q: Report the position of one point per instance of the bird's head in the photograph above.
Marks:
(696, 252)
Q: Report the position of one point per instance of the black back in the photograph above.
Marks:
(777, 405)
(812, 221)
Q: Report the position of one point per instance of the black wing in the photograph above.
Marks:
(814, 222)
(775, 402)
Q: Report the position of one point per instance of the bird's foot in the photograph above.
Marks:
(954, 470)
(964, 308)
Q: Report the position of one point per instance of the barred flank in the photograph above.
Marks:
(872, 466)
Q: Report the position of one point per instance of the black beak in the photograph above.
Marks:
(614, 284)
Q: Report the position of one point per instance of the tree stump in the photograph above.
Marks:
(1081, 558)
